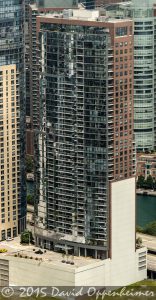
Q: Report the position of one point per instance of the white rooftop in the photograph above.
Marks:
(50, 257)
(83, 15)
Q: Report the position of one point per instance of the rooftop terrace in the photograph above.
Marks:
(15, 248)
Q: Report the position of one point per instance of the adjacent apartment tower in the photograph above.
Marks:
(85, 152)
(12, 119)
(143, 14)
(144, 96)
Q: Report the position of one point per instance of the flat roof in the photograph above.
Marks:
(101, 19)
(50, 257)
(33, 6)
(147, 156)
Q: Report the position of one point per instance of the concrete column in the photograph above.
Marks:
(76, 251)
(49, 245)
(42, 244)
(36, 241)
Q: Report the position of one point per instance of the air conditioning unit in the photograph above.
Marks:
(67, 13)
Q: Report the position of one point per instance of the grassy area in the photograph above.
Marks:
(143, 290)
(30, 298)
(145, 283)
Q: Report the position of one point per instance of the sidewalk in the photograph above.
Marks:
(146, 192)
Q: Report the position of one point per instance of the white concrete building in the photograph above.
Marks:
(125, 266)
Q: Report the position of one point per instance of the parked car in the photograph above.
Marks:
(8, 239)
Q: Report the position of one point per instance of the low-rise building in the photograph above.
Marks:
(146, 165)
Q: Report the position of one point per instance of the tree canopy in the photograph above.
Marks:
(26, 237)
(148, 183)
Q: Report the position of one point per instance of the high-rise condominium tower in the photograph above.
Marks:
(85, 152)
(85, 139)
(12, 119)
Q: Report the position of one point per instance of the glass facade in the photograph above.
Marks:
(73, 144)
(12, 53)
(85, 138)
(143, 74)
(57, 3)
(142, 12)
(90, 4)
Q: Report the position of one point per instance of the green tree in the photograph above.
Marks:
(139, 228)
(29, 164)
(149, 182)
(30, 199)
(26, 237)
(140, 182)
(150, 228)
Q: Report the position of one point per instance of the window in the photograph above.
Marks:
(121, 31)
(9, 232)
(3, 235)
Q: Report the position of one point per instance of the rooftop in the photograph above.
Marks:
(50, 257)
(33, 6)
(146, 156)
(82, 15)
